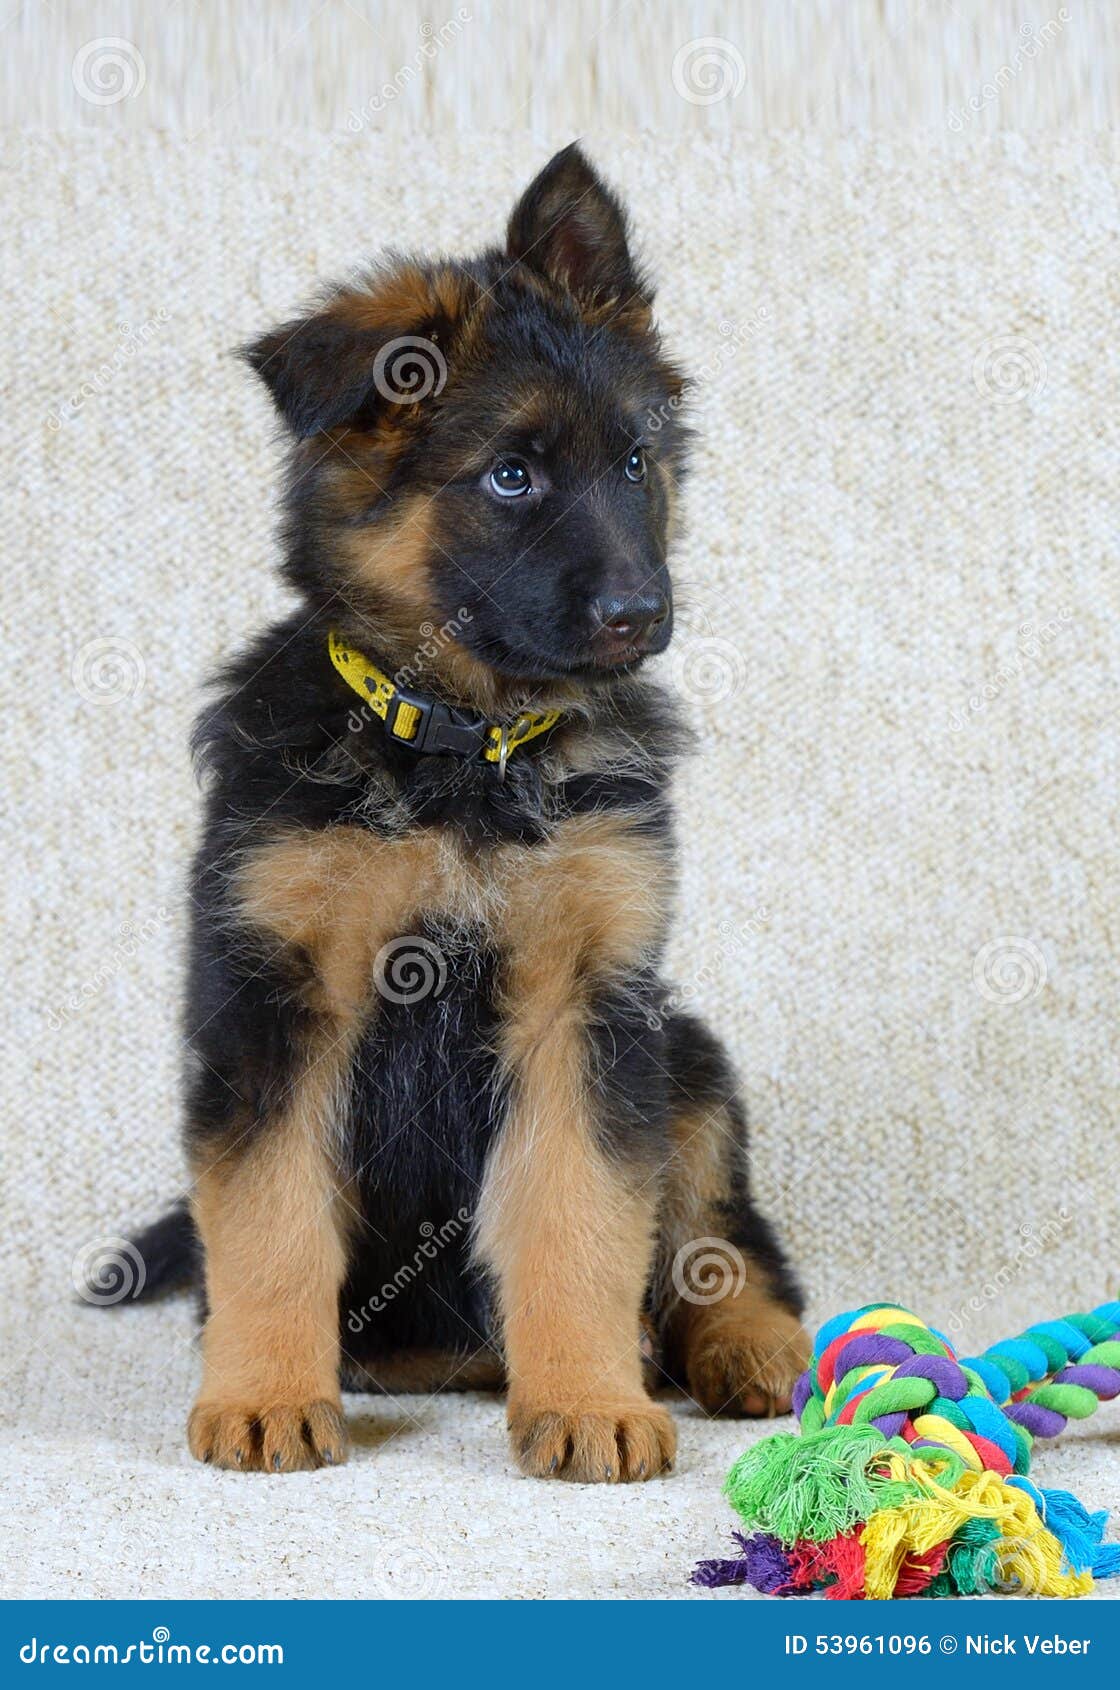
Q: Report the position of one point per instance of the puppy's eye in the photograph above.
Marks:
(636, 465)
(510, 479)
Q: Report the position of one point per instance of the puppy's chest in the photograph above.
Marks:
(377, 917)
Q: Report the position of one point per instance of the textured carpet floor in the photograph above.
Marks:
(901, 607)
(106, 1501)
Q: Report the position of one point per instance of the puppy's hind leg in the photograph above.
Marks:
(726, 1300)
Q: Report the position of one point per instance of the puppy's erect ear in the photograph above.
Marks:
(571, 227)
(366, 350)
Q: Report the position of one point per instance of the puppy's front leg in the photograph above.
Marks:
(569, 1238)
(268, 1213)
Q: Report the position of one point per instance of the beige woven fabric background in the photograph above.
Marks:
(900, 607)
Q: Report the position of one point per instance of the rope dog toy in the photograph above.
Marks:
(910, 1476)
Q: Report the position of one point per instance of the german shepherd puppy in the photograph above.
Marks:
(444, 1128)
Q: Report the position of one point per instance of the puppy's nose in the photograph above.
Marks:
(630, 623)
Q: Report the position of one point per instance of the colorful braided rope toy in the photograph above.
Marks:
(910, 1476)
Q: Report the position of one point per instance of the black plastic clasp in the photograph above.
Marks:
(440, 730)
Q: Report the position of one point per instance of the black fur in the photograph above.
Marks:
(171, 1253)
(702, 1077)
(426, 1109)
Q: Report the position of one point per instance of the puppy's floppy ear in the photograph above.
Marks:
(365, 351)
(318, 369)
(571, 227)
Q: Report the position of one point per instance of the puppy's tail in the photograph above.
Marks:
(166, 1256)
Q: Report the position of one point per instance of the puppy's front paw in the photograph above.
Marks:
(601, 1444)
(285, 1438)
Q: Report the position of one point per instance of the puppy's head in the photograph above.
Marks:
(496, 436)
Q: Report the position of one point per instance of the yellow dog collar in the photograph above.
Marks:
(425, 724)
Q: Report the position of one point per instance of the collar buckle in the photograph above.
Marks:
(438, 728)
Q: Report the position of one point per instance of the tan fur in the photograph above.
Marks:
(744, 1354)
(704, 1142)
(626, 314)
(339, 894)
(570, 1241)
(273, 1224)
(401, 298)
(668, 484)
(587, 906)
(474, 685)
(407, 299)
(392, 556)
(568, 1236)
